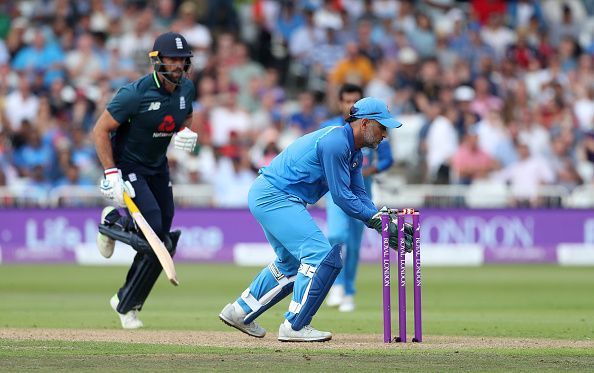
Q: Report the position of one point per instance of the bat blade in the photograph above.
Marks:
(153, 240)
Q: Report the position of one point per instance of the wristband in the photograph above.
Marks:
(110, 171)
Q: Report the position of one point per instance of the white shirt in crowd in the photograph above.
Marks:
(490, 135)
(525, 176)
(231, 187)
(17, 108)
(224, 120)
(442, 143)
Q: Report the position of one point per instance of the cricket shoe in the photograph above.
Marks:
(305, 334)
(347, 305)
(335, 296)
(104, 243)
(233, 315)
(129, 319)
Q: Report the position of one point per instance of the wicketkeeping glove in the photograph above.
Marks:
(376, 223)
(185, 140)
(113, 186)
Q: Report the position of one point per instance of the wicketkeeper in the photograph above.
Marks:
(306, 264)
(131, 139)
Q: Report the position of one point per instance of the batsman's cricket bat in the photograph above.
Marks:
(154, 240)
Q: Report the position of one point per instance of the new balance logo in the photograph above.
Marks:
(154, 106)
(178, 43)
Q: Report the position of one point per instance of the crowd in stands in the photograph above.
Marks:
(504, 89)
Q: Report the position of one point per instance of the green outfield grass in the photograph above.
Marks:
(544, 302)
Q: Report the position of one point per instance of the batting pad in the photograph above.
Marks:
(268, 288)
(317, 283)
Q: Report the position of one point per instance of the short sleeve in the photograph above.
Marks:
(123, 105)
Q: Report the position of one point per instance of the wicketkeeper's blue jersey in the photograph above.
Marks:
(322, 161)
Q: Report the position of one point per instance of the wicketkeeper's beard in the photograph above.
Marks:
(369, 139)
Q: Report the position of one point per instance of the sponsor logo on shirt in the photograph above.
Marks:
(154, 106)
(182, 103)
(166, 128)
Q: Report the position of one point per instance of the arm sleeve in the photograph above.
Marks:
(123, 105)
(358, 188)
(384, 156)
(334, 158)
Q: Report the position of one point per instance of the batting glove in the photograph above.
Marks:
(113, 187)
(185, 140)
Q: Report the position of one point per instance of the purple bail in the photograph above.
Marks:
(385, 268)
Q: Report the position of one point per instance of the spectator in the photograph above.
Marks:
(491, 131)
(583, 107)
(477, 50)
(566, 174)
(329, 53)
(289, 20)
(505, 152)
(470, 163)
(534, 135)
(355, 68)
(197, 35)
(243, 72)
(233, 178)
(521, 12)
(304, 41)
(166, 14)
(40, 57)
(441, 144)
(308, 117)
(497, 36)
(381, 86)
(327, 16)
(34, 153)
(368, 47)
(228, 118)
(84, 66)
(464, 95)
(525, 177)
(138, 42)
(484, 101)
(20, 105)
(567, 24)
(422, 38)
(73, 177)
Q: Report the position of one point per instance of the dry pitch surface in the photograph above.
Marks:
(240, 340)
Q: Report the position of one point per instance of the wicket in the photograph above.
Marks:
(401, 270)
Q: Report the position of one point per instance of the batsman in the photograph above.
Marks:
(306, 265)
(131, 139)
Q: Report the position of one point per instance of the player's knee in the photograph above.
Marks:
(315, 257)
(288, 268)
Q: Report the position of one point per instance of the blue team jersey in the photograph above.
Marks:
(148, 116)
(322, 161)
